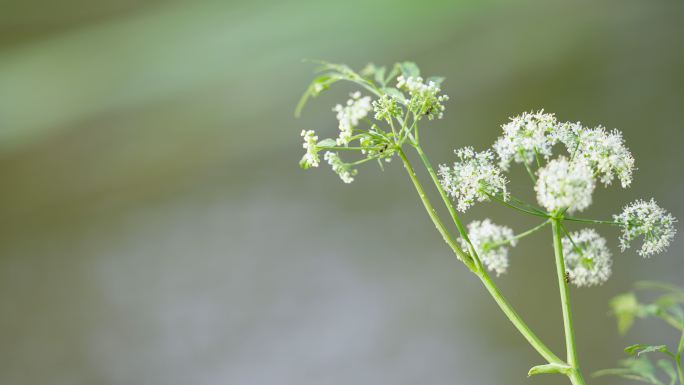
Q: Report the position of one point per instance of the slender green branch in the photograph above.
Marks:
(452, 211)
(507, 204)
(512, 315)
(678, 360)
(521, 235)
(583, 220)
(522, 327)
(575, 376)
(530, 173)
(465, 258)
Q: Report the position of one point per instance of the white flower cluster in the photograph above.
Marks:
(311, 158)
(491, 244)
(525, 137)
(472, 178)
(339, 167)
(587, 258)
(604, 151)
(647, 219)
(349, 115)
(425, 98)
(564, 184)
(386, 108)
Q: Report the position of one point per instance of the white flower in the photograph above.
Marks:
(424, 97)
(386, 108)
(491, 244)
(472, 178)
(311, 158)
(340, 168)
(604, 151)
(562, 184)
(587, 258)
(525, 137)
(651, 221)
(349, 115)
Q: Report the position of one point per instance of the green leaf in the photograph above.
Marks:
(395, 93)
(327, 143)
(549, 369)
(625, 308)
(668, 367)
(317, 86)
(409, 69)
(435, 79)
(653, 285)
(639, 369)
(380, 76)
(638, 350)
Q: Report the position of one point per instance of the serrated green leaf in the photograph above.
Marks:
(409, 69)
(638, 350)
(549, 369)
(668, 367)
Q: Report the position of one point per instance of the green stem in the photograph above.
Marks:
(678, 360)
(522, 327)
(526, 211)
(575, 375)
(515, 319)
(445, 198)
(433, 214)
(521, 235)
(583, 220)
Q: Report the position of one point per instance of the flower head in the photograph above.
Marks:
(344, 170)
(603, 150)
(311, 158)
(587, 258)
(563, 184)
(386, 108)
(425, 98)
(647, 219)
(472, 178)
(526, 137)
(491, 244)
(357, 108)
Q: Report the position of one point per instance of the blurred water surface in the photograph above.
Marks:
(157, 229)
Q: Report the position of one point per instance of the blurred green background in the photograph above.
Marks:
(157, 230)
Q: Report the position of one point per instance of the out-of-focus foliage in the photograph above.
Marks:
(668, 306)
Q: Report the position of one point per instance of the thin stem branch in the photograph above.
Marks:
(508, 310)
(452, 211)
(433, 214)
(521, 235)
(522, 327)
(498, 199)
(596, 221)
(678, 360)
(575, 375)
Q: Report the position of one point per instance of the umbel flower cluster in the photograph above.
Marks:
(564, 185)
(565, 163)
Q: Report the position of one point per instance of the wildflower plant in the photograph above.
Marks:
(564, 161)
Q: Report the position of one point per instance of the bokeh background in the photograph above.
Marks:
(157, 230)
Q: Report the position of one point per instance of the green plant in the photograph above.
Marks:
(668, 307)
(385, 123)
